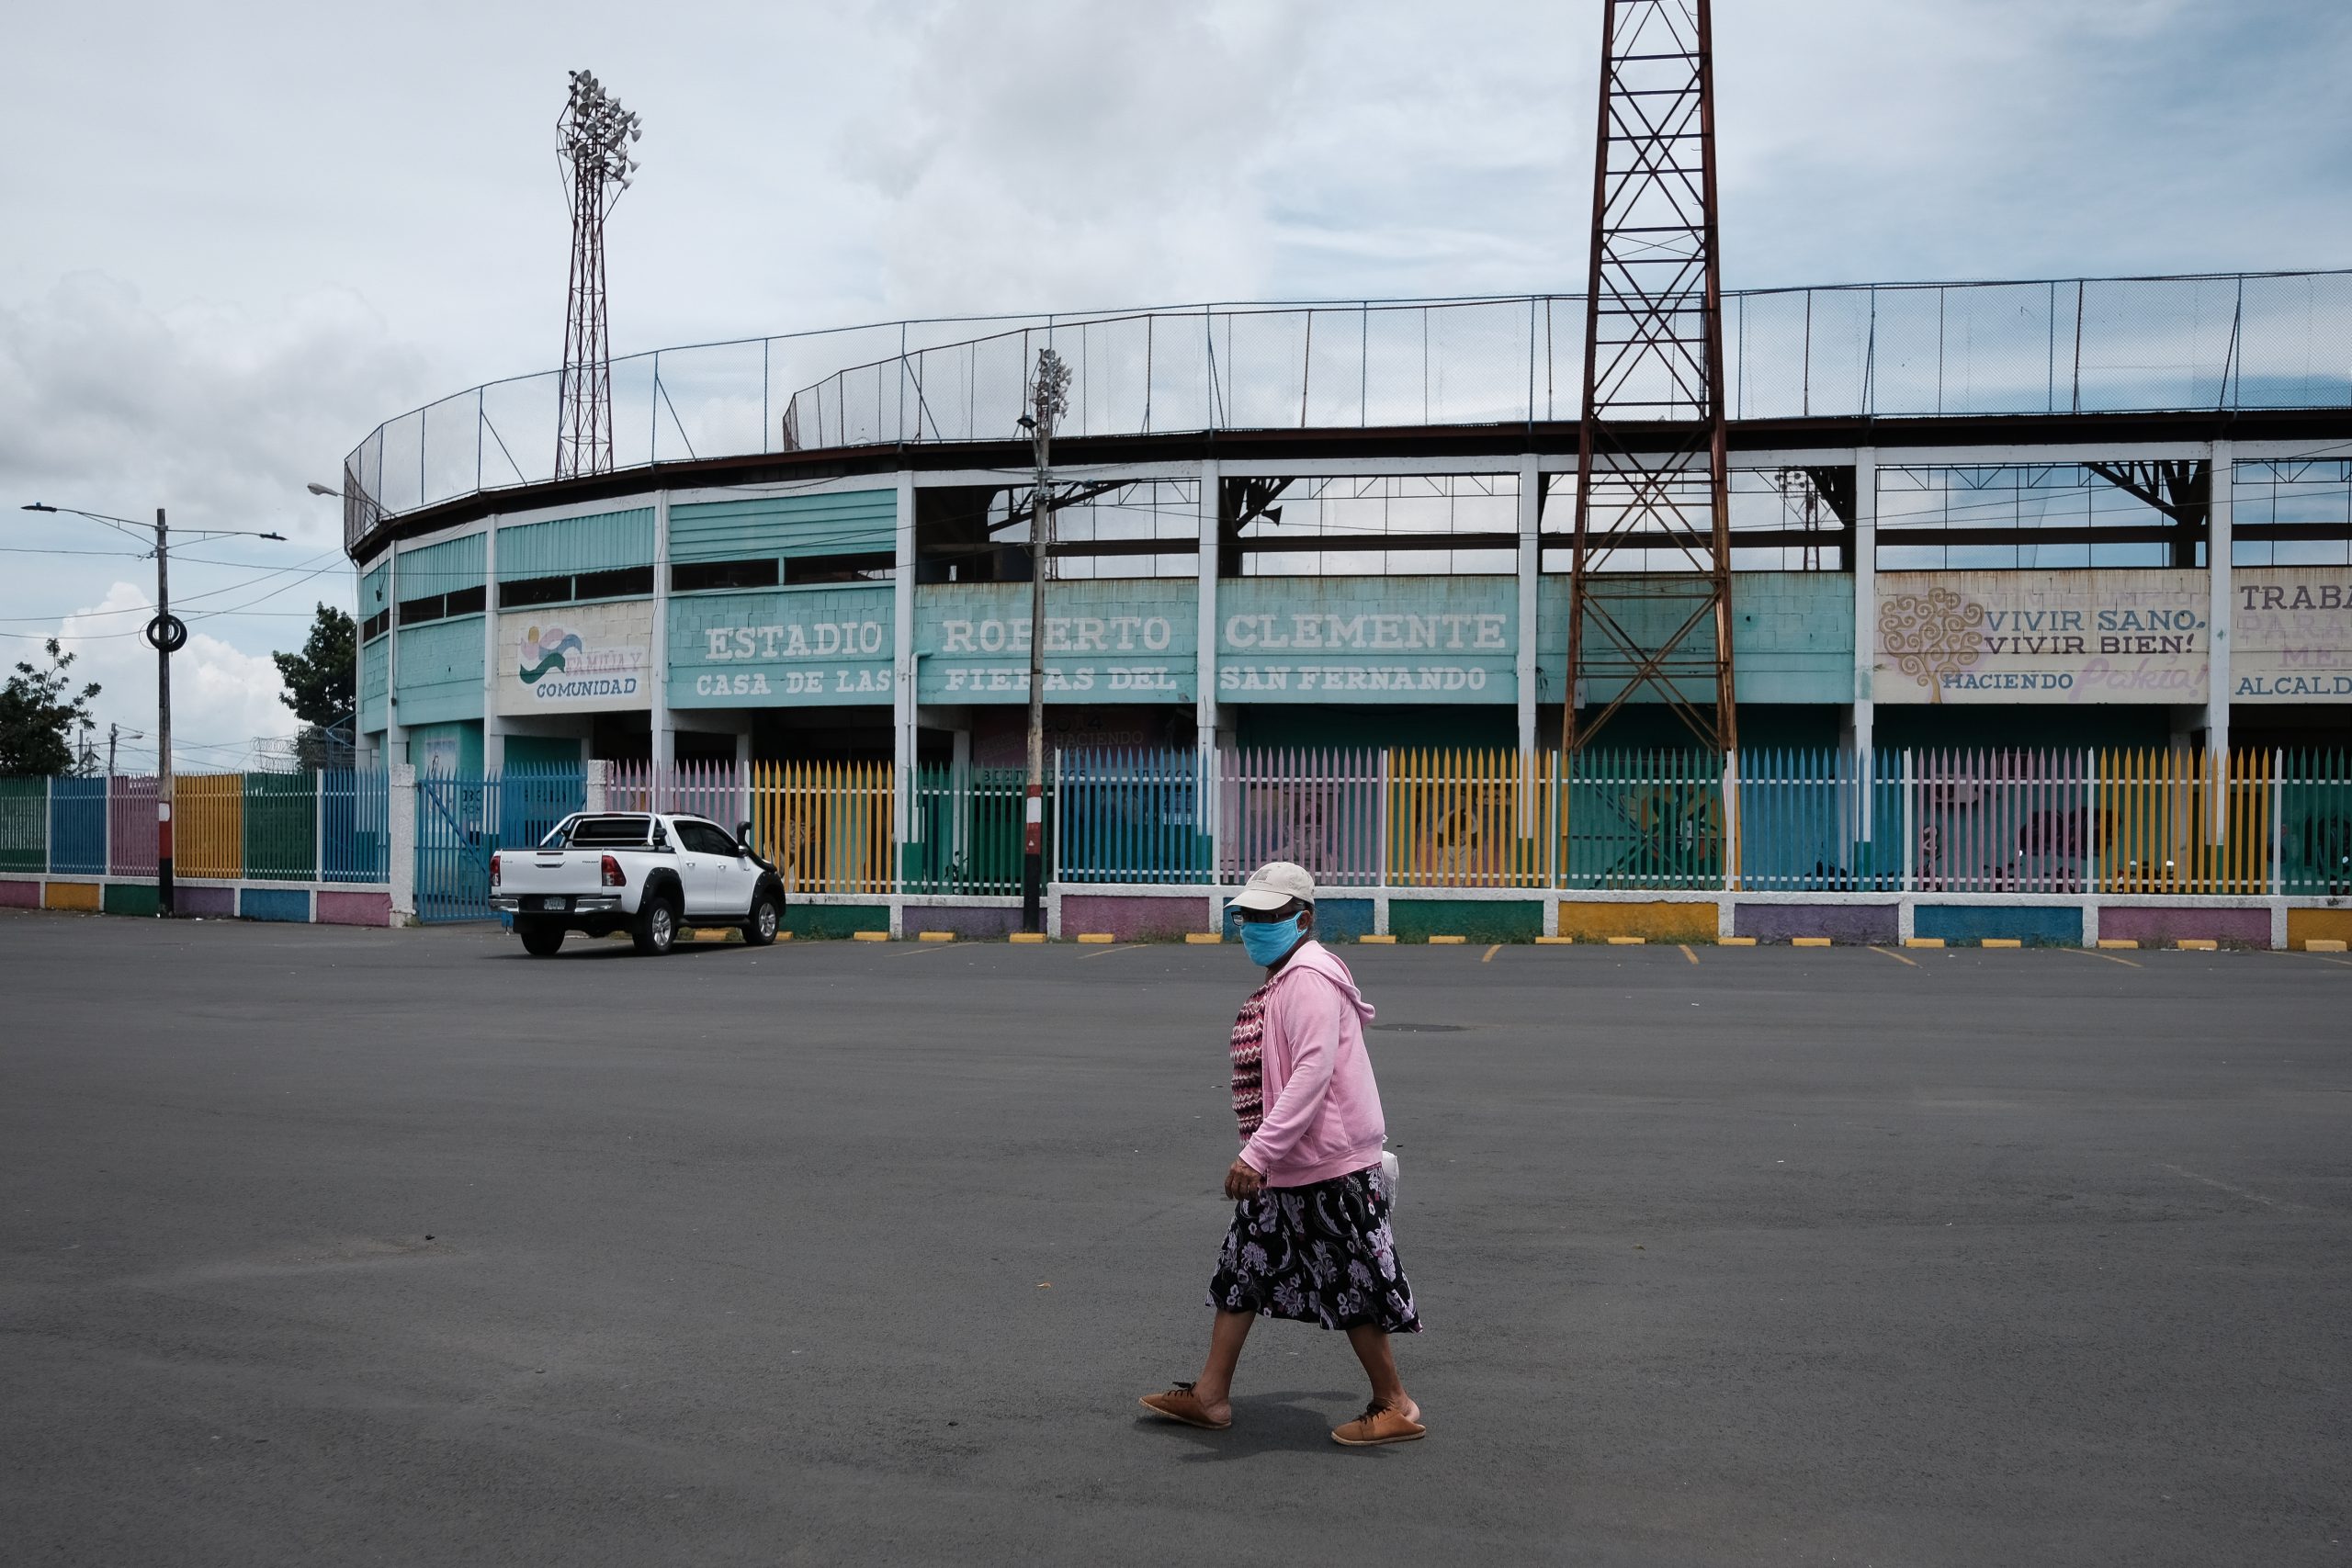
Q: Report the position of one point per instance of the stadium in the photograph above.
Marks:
(2087, 518)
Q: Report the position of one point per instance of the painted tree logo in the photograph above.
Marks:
(1931, 635)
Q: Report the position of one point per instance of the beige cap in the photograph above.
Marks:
(1274, 883)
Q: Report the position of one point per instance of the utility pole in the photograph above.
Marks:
(167, 635)
(1048, 395)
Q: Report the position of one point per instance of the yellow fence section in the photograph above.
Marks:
(827, 825)
(1470, 818)
(2157, 825)
(208, 825)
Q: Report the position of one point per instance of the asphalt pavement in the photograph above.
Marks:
(326, 1245)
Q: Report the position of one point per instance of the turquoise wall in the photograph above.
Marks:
(440, 671)
(541, 751)
(452, 748)
(375, 661)
(374, 591)
(602, 543)
(1367, 640)
(795, 646)
(784, 525)
(1793, 636)
(438, 569)
(1105, 642)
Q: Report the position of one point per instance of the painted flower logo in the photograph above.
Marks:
(543, 649)
(1931, 635)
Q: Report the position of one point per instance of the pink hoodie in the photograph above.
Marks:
(1322, 1114)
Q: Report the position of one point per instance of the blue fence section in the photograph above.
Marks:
(1815, 821)
(354, 826)
(462, 820)
(77, 827)
(1133, 816)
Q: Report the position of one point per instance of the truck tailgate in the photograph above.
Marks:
(534, 873)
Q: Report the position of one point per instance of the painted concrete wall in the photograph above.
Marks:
(1862, 923)
(1480, 919)
(1141, 918)
(1663, 921)
(2142, 923)
(2060, 924)
(980, 923)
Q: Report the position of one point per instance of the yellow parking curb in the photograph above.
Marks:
(934, 936)
(1027, 936)
(1448, 941)
(1808, 942)
(1629, 942)
(2198, 944)
(2002, 941)
(1384, 940)
(1748, 942)
(869, 936)
(1923, 941)
(1101, 938)
(2117, 941)
(1555, 941)
(2325, 944)
(1202, 938)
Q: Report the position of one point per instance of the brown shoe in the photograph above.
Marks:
(1379, 1425)
(1180, 1403)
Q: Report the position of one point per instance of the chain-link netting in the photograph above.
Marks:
(2096, 345)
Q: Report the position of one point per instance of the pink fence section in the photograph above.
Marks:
(1318, 807)
(719, 791)
(2002, 821)
(131, 826)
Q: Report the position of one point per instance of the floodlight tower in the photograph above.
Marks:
(591, 139)
(1649, 594)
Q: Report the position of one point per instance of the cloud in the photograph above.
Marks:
(223, 699)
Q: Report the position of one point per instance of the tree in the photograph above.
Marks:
(39, 719)
(321, 683)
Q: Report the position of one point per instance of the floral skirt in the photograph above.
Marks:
(1319, 1254)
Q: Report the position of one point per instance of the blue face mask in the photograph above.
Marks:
(1266, 941)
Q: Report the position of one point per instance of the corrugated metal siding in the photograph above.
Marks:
(374, 590)
(568, 545)
(375, 663)
(441, 670)
(784, 525)
(438, 569)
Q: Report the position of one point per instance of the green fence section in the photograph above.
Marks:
(282, 827)
(1644, 820)
(23, 825)
(2314, 824)
(966, 833)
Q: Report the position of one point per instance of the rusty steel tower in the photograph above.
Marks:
(1649, 602)
(593, 136)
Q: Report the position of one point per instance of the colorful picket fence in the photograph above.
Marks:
(827, 826)
(965, 831)
(227, 827)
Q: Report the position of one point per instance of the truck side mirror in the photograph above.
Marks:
(743, 836)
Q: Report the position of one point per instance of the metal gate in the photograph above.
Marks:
(462, 820)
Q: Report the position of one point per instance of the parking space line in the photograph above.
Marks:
(1106, 952)
(1687, 954)
(1883, 952)
(2314, 957)
(918, 952)
(1490, 954)
(2111, 958)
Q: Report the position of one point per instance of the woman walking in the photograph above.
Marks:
(1310, 1237)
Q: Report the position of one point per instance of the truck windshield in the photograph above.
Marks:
(585, 831)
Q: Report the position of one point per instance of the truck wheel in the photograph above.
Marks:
(657, 925)
(540, 939)
(760, 929)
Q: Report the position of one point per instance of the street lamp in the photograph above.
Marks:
(1048, 396)
(167, 634)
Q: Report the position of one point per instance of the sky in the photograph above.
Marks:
(233, 240)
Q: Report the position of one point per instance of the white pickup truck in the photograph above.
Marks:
(651, 873)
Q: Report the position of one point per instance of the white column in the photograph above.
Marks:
(395, 738)
(1531, 567)
(2219, 579)
(1865, 709)
(1205, 717)
(400, 852)
(665, 738)
(493, 730)
(904, 692)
